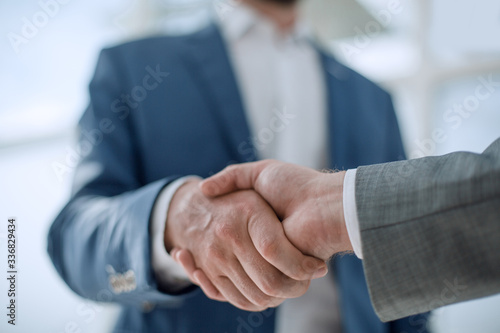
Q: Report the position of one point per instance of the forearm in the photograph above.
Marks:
(400, 191)
(96, 238)
(429, 225)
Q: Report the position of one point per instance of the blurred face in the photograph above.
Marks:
(282, 2)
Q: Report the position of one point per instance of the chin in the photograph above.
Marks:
(282, 2)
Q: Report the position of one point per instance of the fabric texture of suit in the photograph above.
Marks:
(186, 117)
(430, 230)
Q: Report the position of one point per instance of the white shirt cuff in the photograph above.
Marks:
(350, 212)
(168, 272)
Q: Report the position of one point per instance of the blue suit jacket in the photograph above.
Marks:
(165, 107)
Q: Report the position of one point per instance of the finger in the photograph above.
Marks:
(268, 278)
(196, 275)
(173, 253)
(232, 178)
(269, 239)
(186, 260)
(234, 296)
(207, 286)
(247, 287)
(247, 296)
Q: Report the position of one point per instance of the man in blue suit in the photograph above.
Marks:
(163, 110)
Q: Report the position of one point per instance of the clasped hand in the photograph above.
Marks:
(256, 233)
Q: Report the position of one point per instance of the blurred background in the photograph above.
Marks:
(440, 60)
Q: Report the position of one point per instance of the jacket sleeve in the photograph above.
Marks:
(430, 230)
(100, 242)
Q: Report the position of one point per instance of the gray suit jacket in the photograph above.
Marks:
(430, 230)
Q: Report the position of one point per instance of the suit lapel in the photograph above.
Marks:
(340, 140)
(210, 61)
(349, 276)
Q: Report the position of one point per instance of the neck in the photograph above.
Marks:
(283, 15)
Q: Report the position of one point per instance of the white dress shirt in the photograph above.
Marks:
(282, 84)
(351, 213)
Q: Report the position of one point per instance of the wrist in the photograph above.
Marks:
(321, 217)
(332, 200)
(179, 203)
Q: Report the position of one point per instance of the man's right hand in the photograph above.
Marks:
(240, 245)
(310, 203)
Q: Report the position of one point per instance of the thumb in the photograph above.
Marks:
(232, 178)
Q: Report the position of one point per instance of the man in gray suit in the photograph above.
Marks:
(428, 229)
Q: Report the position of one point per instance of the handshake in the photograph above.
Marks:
(256, 234)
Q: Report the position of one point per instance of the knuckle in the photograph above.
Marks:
(268, 162)
(297, 275)
(268, 247)
(214, 252)
(249, 203)
(285, 287)
(244, 304)
(271, 285)
(277, 302)
(297, 288)
(209, 294)
(253, 200)
(264, 301)
(226, 174)
(246, 208)
(230, 168)
(226, 232)
(297, 272)
(304, 286)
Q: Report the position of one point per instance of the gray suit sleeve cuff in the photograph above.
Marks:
(169, 274)
(350, 212)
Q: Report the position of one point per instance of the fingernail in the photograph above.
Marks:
(175, 255)
(320, 273)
